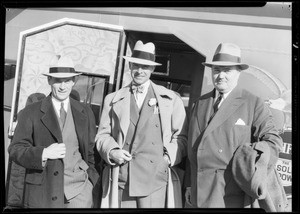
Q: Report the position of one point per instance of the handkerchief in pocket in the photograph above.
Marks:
(240, 122)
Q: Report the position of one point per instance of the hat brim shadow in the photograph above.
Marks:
(140, 61)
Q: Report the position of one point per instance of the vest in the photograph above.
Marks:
(75, 174)
(147, 171)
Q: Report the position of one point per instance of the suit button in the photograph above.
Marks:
(156, 125)
(153, 143)
(133, 155)
(55, 173)
(74, 153)
(151, 161)
(127, 143)
(54, 198)
(220, 150)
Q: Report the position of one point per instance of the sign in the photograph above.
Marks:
(284, 163)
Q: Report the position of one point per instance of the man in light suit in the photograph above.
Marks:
(142, 133)
(54, 141)
(221, 121)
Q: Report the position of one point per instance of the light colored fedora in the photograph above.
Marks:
(227, 54)
(62, 67)
(143, 54)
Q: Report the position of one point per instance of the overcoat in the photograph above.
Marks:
(262, 185)
(242, 118)
(112, 132)
(37, 129)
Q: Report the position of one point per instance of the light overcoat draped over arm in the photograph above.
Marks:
(112, 132)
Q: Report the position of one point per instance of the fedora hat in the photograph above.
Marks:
(143, 54)
(62, 67)
(227, 54)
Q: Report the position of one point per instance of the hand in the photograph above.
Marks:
(54, 151)
(188, 193)
(120, 156)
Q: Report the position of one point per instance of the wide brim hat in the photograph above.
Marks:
(62, 67)
(143, 54)
(227, 54)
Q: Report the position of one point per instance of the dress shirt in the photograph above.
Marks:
(57, 105)
(223, 97)
(141, 96)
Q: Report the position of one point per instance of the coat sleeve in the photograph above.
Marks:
(22, 149)
(91, 145)
(177, 148)
(264, 130)
(104, 138)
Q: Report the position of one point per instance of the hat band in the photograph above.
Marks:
(62, 70)
(143, 55)
(226, 57)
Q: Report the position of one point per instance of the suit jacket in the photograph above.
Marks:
(242, 118)
(38, 128)
(113, 128)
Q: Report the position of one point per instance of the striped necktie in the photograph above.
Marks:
(217, 103)
(216, 106)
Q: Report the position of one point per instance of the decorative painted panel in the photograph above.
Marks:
(92, 50)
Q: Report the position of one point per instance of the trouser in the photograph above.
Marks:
(156, 199)
(83, 200)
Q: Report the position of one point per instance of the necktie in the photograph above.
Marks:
(137, 89)
(62, 113)
(216, 105)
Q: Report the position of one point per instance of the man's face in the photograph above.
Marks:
(61, 87)
(225, 78)
(140, 73)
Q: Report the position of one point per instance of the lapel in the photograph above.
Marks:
(121, 107)
(228, 107)
(146, 111)
(80, 121)
(164, 99)
(206, 104)
(49, 119)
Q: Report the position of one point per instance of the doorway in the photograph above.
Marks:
(181, 69)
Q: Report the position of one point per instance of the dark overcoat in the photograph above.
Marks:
(242, 118)
(37, 129)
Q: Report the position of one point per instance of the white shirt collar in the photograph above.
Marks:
(224, 94)
(146, 86)
(57, 104)
(142, 95)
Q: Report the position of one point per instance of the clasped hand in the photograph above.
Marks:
(54, 151)
(120, 156)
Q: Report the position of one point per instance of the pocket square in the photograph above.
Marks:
(240, 122)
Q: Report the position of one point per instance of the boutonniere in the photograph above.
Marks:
(153, 102)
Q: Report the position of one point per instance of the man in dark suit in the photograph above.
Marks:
(141, 135)
(54, 141)
(219, 123)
